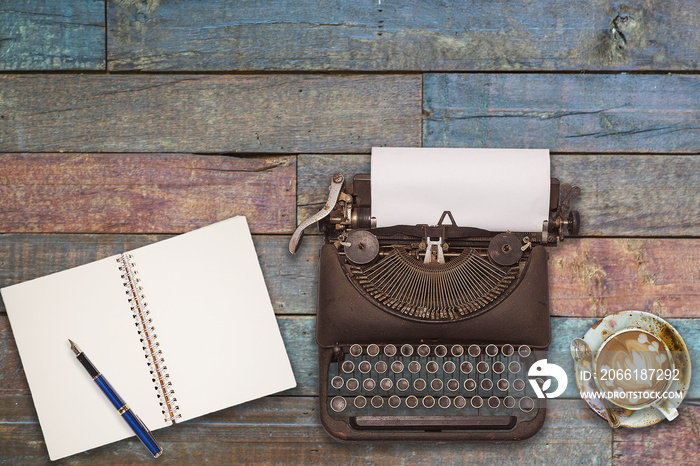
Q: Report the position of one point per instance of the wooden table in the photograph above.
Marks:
(125, 122)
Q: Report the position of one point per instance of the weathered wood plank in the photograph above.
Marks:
(286, 430)
(588, 277)
(404, 35)
(298, 333)
(621, 195)
(208, 114)
(136, 193)
(563, 113)
(52, 35)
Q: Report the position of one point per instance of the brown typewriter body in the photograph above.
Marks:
(426, 299)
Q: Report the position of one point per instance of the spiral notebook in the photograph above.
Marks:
(180, 328)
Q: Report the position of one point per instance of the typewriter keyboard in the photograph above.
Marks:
(424, 386)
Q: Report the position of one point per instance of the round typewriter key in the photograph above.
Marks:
(403, 384)
(423, 351)
(449, 367)
(457, 350)
(502, 385)
(369, 384)
(386, 384)
(524, 351)
(514, 367)
(477, 402)
(390, 350)
(432, 367)
(377, 401)
(352, 384)
(440, 351)
(509, 402)
(356, 350)
(526, 404)
(486, 384)
(498, 367)
(380, 366)
(407, 350)
(364, 367)
(482, 367)
(337, 382)
(444, 402)
(338, 404)
(518, 384)
(453, 385)
(360, 402)
(419, 384)
(394, 401)
(396, 367)
(507, 350)
(428, 401)
(460, 402)
(436, 385)
(348, 366)
(494, 402)
(414, 367)
(469, 385)
(466, 367)
(492, 350)
(474, 351)
(411, 401)
(373, 350)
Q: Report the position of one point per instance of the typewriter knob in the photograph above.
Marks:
(504, 249)
(573, 222)
(363, 247)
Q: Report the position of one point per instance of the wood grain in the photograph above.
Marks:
(286, 430)
(52, 35)
(621, 195)
(135, 193)
(563, 113)
(404, 35)
(208, 114)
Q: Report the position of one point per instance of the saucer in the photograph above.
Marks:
(663, 330)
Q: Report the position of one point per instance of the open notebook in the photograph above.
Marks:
(211, 317)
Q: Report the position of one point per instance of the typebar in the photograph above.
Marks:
(433, 423)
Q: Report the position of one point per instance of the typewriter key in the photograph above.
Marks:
(460, 402)
(407, 350)
(356, 350)
(524, 351)
(518, 384)
(492, 350)
(453, 385)
(377, 401)
(397, 367)
(423, 350)
(514, 367)
(494, 402)
(428, 401)
(390, 350)
(338, 404)
(470, 385)
(436, 384)
(509, 402)
(477, 402)
(380, 366)
(444, 402)
(337, 382)
(457, 351)
(482, 367)
(386, 384)
(466, 367)
(449, 367)
(474, 351)
(352, 384)
(432, 367)
(526, 404)
(419, 384)
(414, 367)
(507, 350)
(502, 385)
(486, 384)
(394, 401)
(369, 384)
(498, 367)
(373, 350)
(440, 351)
(411, 402)
(348, 366)
(364, 367)
(360, 402)
(403, 384)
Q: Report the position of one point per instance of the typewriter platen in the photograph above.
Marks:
(425, 333)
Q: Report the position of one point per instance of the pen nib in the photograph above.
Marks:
(74, 347)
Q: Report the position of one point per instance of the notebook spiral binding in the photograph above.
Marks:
(148, 338)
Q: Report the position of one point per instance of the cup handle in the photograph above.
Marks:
(665, 407)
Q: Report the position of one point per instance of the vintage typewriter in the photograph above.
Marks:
(425, 333)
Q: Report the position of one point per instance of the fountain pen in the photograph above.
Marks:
(125, 412)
